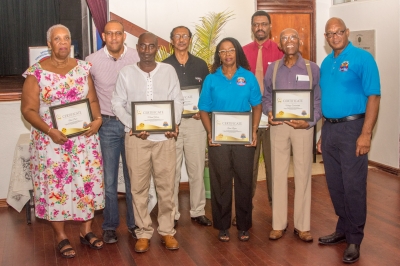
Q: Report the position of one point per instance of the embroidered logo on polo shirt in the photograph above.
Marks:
(344, 66)
(241, 81)
(198, 79)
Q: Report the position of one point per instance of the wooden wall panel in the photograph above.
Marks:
(299, 22)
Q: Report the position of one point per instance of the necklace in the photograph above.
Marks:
(59, 65)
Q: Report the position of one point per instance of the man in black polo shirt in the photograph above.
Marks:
(191, 141)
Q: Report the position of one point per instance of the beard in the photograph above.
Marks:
(261, 37)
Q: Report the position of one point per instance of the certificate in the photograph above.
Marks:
(71, 118)
(191, 95)
(263, 121)
(232, 128)
(153, 116)
(293, 105)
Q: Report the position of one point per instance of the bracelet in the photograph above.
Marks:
(99, 117)
(49, 131)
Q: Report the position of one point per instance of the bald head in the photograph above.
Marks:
(147, 47)
(334, 21)
(289, 31)
(337, 35)
(111, 22)
(150, 37)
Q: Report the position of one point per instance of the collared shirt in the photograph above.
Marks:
(270, 53)
(105, 71)
(192, 73)
(133, 85)
(346, 82)
(239, 94)
(287, 79)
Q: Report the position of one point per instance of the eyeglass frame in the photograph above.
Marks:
(339, 33)
(260, 25)
(179, 36)
(114, 33)
(226, 52)
(292, 37)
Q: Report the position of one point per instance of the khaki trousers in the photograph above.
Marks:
(301, 140)
(143, 158)
(191, 143)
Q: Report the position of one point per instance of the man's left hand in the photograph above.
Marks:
(298, 124)
(363, 144)
(196, 116)
(170, 134)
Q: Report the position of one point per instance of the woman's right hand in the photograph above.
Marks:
(209, 137)
(57, 136)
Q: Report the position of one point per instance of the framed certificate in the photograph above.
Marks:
(293, 105)
(153, 116)
(71, 118)
(232, 128)
(191, 95)
(263, 121)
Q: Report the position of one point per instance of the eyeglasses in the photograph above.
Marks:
(291, 37)
(331, 34)
(112, 33)
(260, 25)
(225, 52)
(179, 36)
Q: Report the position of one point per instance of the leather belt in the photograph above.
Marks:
(110, 116)
(345, 119)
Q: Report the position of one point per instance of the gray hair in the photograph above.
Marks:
(50, 30)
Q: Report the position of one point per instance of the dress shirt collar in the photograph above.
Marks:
(265, 44)
(299, 63)
(345, 50)
(111, 57)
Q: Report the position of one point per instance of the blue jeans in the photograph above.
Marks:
(112, 141)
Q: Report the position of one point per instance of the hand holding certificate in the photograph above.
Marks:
(72, 119)
(232, 128)
(153, 117)
(293, 105)
(191, 95)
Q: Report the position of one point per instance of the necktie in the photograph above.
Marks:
(259, 69)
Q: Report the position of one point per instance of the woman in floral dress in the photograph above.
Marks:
(67, 172)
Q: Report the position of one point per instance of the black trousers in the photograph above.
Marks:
(346, 176)
(228, 163)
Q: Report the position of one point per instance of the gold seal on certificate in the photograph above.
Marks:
(191, 95)
(71, 118)
(232, 128)
(293, 105)
(153, 116)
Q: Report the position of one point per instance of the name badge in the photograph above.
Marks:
(302, 78)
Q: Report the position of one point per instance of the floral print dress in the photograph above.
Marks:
(67, 179)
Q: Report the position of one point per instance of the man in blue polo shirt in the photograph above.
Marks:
(350, 90)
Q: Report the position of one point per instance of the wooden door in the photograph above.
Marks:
(299, 22)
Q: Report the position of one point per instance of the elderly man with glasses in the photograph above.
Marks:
(292, 128)
(191, 141)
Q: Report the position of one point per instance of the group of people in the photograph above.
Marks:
(75, 176)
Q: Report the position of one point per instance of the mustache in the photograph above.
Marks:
(260, 31)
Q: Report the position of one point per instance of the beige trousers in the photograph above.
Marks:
(191, 143)
(143, 158)
(301, 140)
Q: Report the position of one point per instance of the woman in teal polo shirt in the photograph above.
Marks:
(230, 87)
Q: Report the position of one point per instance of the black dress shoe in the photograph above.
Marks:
(352, 253)
(203, 220)
(332, 239)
